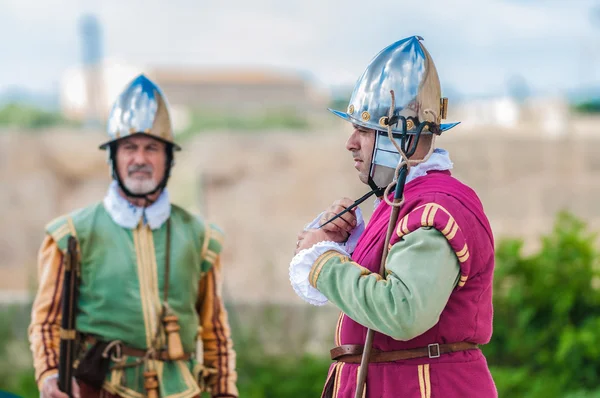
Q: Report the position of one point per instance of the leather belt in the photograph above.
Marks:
(161, 355)
(352, 353)
(122, 349)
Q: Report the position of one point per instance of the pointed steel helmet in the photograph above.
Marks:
(141, 108)
(407, 68)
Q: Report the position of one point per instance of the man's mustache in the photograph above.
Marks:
(144, 168)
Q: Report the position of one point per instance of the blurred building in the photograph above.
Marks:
(222, 91)
(237, 89)
(537, 116)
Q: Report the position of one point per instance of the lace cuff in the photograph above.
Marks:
(300, 268)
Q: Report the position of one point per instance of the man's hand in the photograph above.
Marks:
(50, 389)
(306, 239)
(339, 229)
(336, 231)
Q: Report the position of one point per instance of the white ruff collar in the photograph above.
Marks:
(439, 160)
(128, 215)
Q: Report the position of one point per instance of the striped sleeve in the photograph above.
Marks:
(436, 216)
(45, 315)
(216, 335)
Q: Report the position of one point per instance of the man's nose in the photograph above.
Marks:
(353, 144)
(139, 157)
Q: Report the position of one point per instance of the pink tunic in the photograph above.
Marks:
(440, 201)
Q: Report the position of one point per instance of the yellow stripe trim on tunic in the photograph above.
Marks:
(399, 230)
(427, 381)
(110, 383)
(463, 255)
(433, 205)
(450, 236)
(338, 330)
(364, 272)
(142, 283)
(335, 373)
(332, 372)
(425, 214)
(421, 381)
(210, 256)
(206, 241)
(192, 385)
(449, 226)
(316, 268)
(71, 227)
(432, 214)
(150, 269)
(217, 236)
(156, 296)
(114, 387)
(402, 227)
(146, 283)
(323, 260)
(338, 377)
(463, 251)
(60, 233)
(405, 226)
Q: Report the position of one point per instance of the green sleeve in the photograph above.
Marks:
(421, 272)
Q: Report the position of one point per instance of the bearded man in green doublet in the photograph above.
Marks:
(149, 299)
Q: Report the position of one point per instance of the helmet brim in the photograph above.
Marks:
(345, 116)
(107, 144)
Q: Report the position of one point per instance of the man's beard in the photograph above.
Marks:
(140, 186)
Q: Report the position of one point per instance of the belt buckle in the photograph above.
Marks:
(437, 350)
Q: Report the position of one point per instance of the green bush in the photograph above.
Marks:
(23, 116)
(271, 377)
(592, 106)
(546, 339)
(16, 374)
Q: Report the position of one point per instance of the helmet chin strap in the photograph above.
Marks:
(407, 142)
(146, 195)
(375, 190)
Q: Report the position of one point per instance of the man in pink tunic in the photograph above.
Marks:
(433, 308)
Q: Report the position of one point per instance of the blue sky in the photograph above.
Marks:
(476, 44)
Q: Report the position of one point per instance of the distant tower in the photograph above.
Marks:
(92, 68)
(595, 19)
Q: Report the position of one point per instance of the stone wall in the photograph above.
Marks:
(263, 188)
